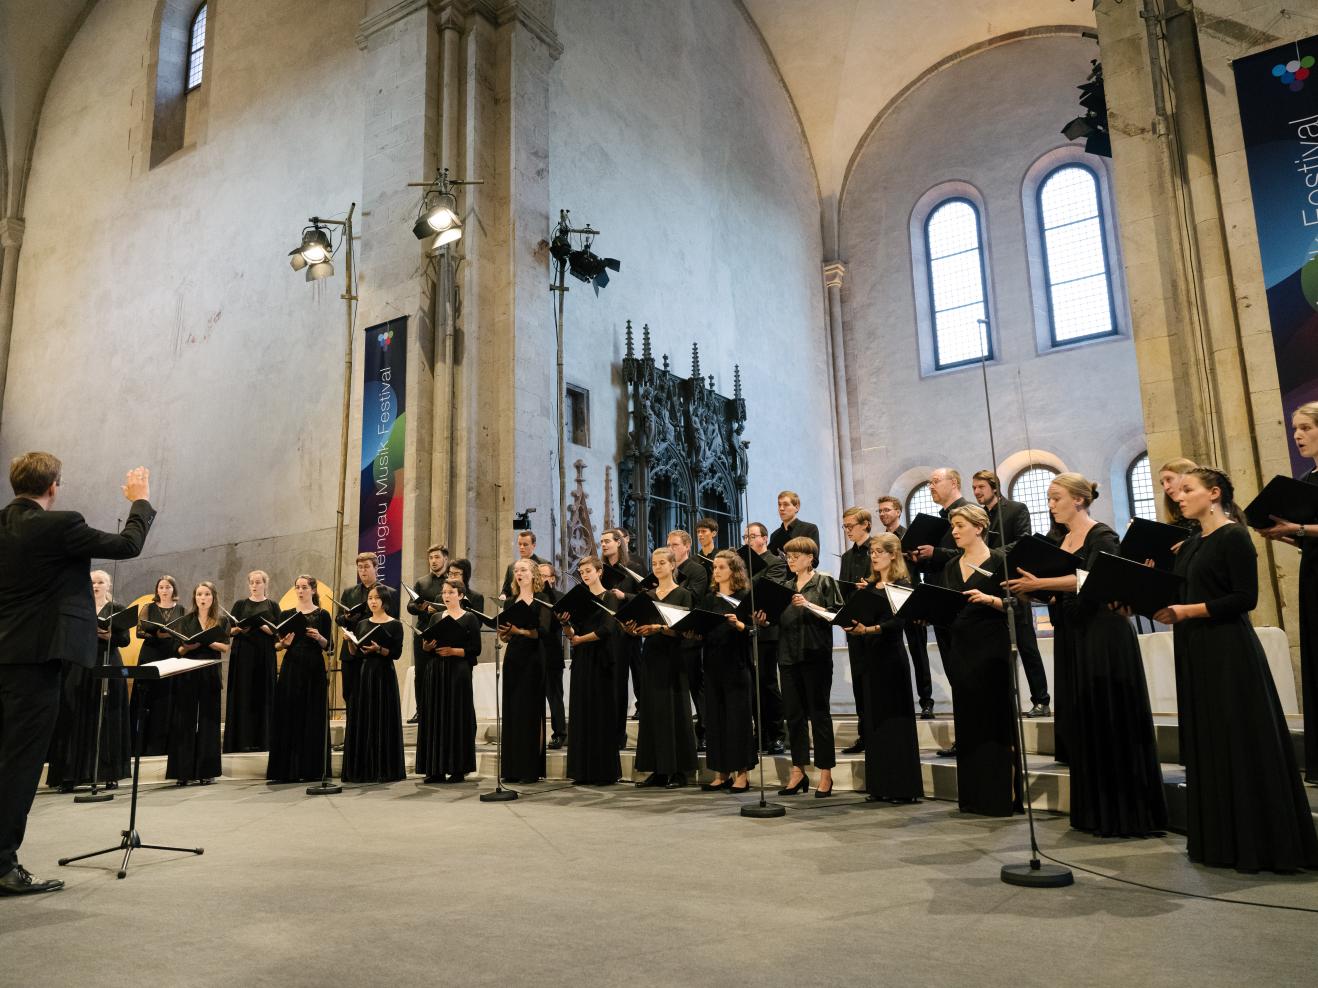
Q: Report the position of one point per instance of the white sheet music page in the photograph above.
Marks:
(897, 596)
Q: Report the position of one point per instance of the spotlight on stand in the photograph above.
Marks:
(1093, 125)
(437, 216)
(314, 252)
(589, 267)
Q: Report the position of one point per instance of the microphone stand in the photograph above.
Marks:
(327, 786)
(500, 794)
(1034, 873)
(762, 810)
(96, 796)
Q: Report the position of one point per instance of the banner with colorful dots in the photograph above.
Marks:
(384, 427)
(1278, 95)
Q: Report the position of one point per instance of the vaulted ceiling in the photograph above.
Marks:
(843, 61)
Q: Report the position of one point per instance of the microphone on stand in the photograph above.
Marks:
(95, 796)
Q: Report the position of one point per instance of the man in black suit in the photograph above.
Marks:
(774, 732)
(525, 550)
(853, 567)
(917, 636)
(931, 560)
(706, 544)
(792, 527)
(691, 576)
(1009, 522)
(46, 616)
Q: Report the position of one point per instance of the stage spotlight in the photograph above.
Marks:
(1093, 125)
(321, 269)
(443, 213)
(315, 245)
(438, 212)
(589, 267)
(452, 235)
(296, 259)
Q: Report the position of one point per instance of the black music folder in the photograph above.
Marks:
(927, 602)
(445, 631)
(582, 608)
(522, 615)
(615, 575)
(120, 620)
(771, 598)
(1045, 559)
(755, 564)
(1146, 539)
(215, 633)
(866, 605)
(1287, 498)
(924, 530)
(1144, 589)
(290, 623)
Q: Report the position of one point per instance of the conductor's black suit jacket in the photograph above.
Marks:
(46, 606)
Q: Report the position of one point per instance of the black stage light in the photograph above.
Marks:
(1093, 125)
(589, 267)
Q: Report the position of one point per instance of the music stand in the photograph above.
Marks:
(130, 840)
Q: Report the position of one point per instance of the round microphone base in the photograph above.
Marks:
(324, 789)
(94, 797)
(763, 811)
(1041, 876)
(498, 796)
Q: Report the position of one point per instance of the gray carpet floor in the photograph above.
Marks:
(406, 884)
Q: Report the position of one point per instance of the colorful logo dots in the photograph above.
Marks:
(1293, 73)
(385, 339)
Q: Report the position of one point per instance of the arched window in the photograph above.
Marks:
(1075, 256)
(1030, 487)
(196, 47)
(954, 248)
(920, 502)
(1139, 488)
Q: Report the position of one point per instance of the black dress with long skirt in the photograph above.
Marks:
(592, 723)
(446, 734)
(151, 700)
(73, 746)
(1309, 646)
(892, 747)
(194, 714)
(988, 779)
(253, 670)
(666, 743)
(1245, 803)
(729, 737)
(298, 720)
(523, 737)
(373, 741)
(1116, 783)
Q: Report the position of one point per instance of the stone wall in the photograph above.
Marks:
(976, 127)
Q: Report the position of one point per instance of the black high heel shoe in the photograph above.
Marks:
(824, 793)
(653, 781)
(716, 786)
(800, 787)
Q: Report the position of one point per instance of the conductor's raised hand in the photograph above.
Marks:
(137, 484)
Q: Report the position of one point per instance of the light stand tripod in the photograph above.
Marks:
(762, 810)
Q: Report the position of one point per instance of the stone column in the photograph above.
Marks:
(834, 273)
(11, 242)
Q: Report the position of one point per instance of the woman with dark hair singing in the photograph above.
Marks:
(299, 718)
(728, 729)
(194, 728)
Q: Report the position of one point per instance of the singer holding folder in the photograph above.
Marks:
(152, 697)
(728, 689)
(298, 722)
(1116, 784)
(446, 735)
(524, 625)
(46, 616)
(194, 713)
(597, 647)
(253, 668)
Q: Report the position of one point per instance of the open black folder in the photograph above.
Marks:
(290, 623)
(928, 602)
(1045, 559)
(215, 633)
(120, 620)
(755, 564)
(444, 631)
(924, 530)
(1287, 498)
(582, 607)
(866, 605)
(616, 575)
(1146, 539)
(522, 615)
(1144, 589)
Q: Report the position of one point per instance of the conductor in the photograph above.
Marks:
(46, 616)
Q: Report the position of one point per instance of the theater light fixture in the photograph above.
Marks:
(314, 252)
(437, 216)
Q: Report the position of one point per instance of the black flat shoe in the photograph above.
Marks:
(676, 782)
(205, 782)
(823, 793)
(112, 784)
(556, 742)
(854, 749)
(948, 752)
(1038, 710)
(927, 710)
(181, 782)
(19, 881)
(740, 791)
(655, 781)
(700, 745)
(800, 787)
(431, 780)
(776, 748)
(716, 786)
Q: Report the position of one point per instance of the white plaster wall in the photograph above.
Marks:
(157, 320)
(982, 121)
(672, 134)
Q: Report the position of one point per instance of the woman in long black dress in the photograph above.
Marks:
(1245, 803)
(298, 720)
(523, 738)
(446, 735)
(73, 745)
(1116, 783)
(373, 742)
(150, 706)
(666, 744)
(194, 720)
(987, 765)
(892, 747)
(805, 656)
(253, 669)
(592, 723)
(1304, 425)
(729, 738)
(614, 553)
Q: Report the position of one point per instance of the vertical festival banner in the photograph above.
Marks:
(384, 377)
(1278, 94)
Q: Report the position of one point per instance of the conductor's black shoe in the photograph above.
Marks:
(654, 781)
(1039, 710)
(18, 881)
(776, 748)
(948, 752)
(927, 710)
(556, 741)
(854, 749)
